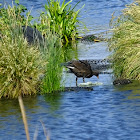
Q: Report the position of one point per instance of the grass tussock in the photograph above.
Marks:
(20, 68)
(125, 43)
(20, 64)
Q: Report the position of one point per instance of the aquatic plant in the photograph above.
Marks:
(124, 43)
(62, 19)
(52, 78)
(52, 51)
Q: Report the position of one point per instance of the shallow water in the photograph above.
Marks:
(106, 113)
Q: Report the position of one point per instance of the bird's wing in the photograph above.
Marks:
(85, 64)
(80, 66)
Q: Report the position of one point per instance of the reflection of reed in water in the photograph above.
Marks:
(54, 101)
(11, 107)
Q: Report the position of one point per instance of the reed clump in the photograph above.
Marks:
(53, 74)
(20, 68)
(61, 19)
(23, 66)
(125, 43)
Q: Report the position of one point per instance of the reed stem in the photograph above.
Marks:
(24, 116)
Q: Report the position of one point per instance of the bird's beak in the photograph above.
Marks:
(98, 76)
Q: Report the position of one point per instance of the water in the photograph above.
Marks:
(106, 113)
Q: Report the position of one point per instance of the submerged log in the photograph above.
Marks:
(78, 88)
(121, 81)
(90, 38)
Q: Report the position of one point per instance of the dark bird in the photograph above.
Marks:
(32, 35)
(81, 68)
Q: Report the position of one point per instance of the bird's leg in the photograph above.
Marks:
(76, 81)
(83, 79)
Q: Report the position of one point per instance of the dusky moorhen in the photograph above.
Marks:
(81, 68)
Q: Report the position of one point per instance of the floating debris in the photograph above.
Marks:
(89, 84)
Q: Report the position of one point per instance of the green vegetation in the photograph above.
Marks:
(125, 43)
(61, 19)
(53, 73)
(15, 13)
(20, 65)
(24, 67)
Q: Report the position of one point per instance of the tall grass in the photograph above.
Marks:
(62, 19)
(53, 74)
(20, 68)
(54, 56)
(125, 43)
(26, 62)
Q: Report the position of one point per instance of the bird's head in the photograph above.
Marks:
(96, 73)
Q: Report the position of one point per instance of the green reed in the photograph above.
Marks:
(62, 19)
(53, 74)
